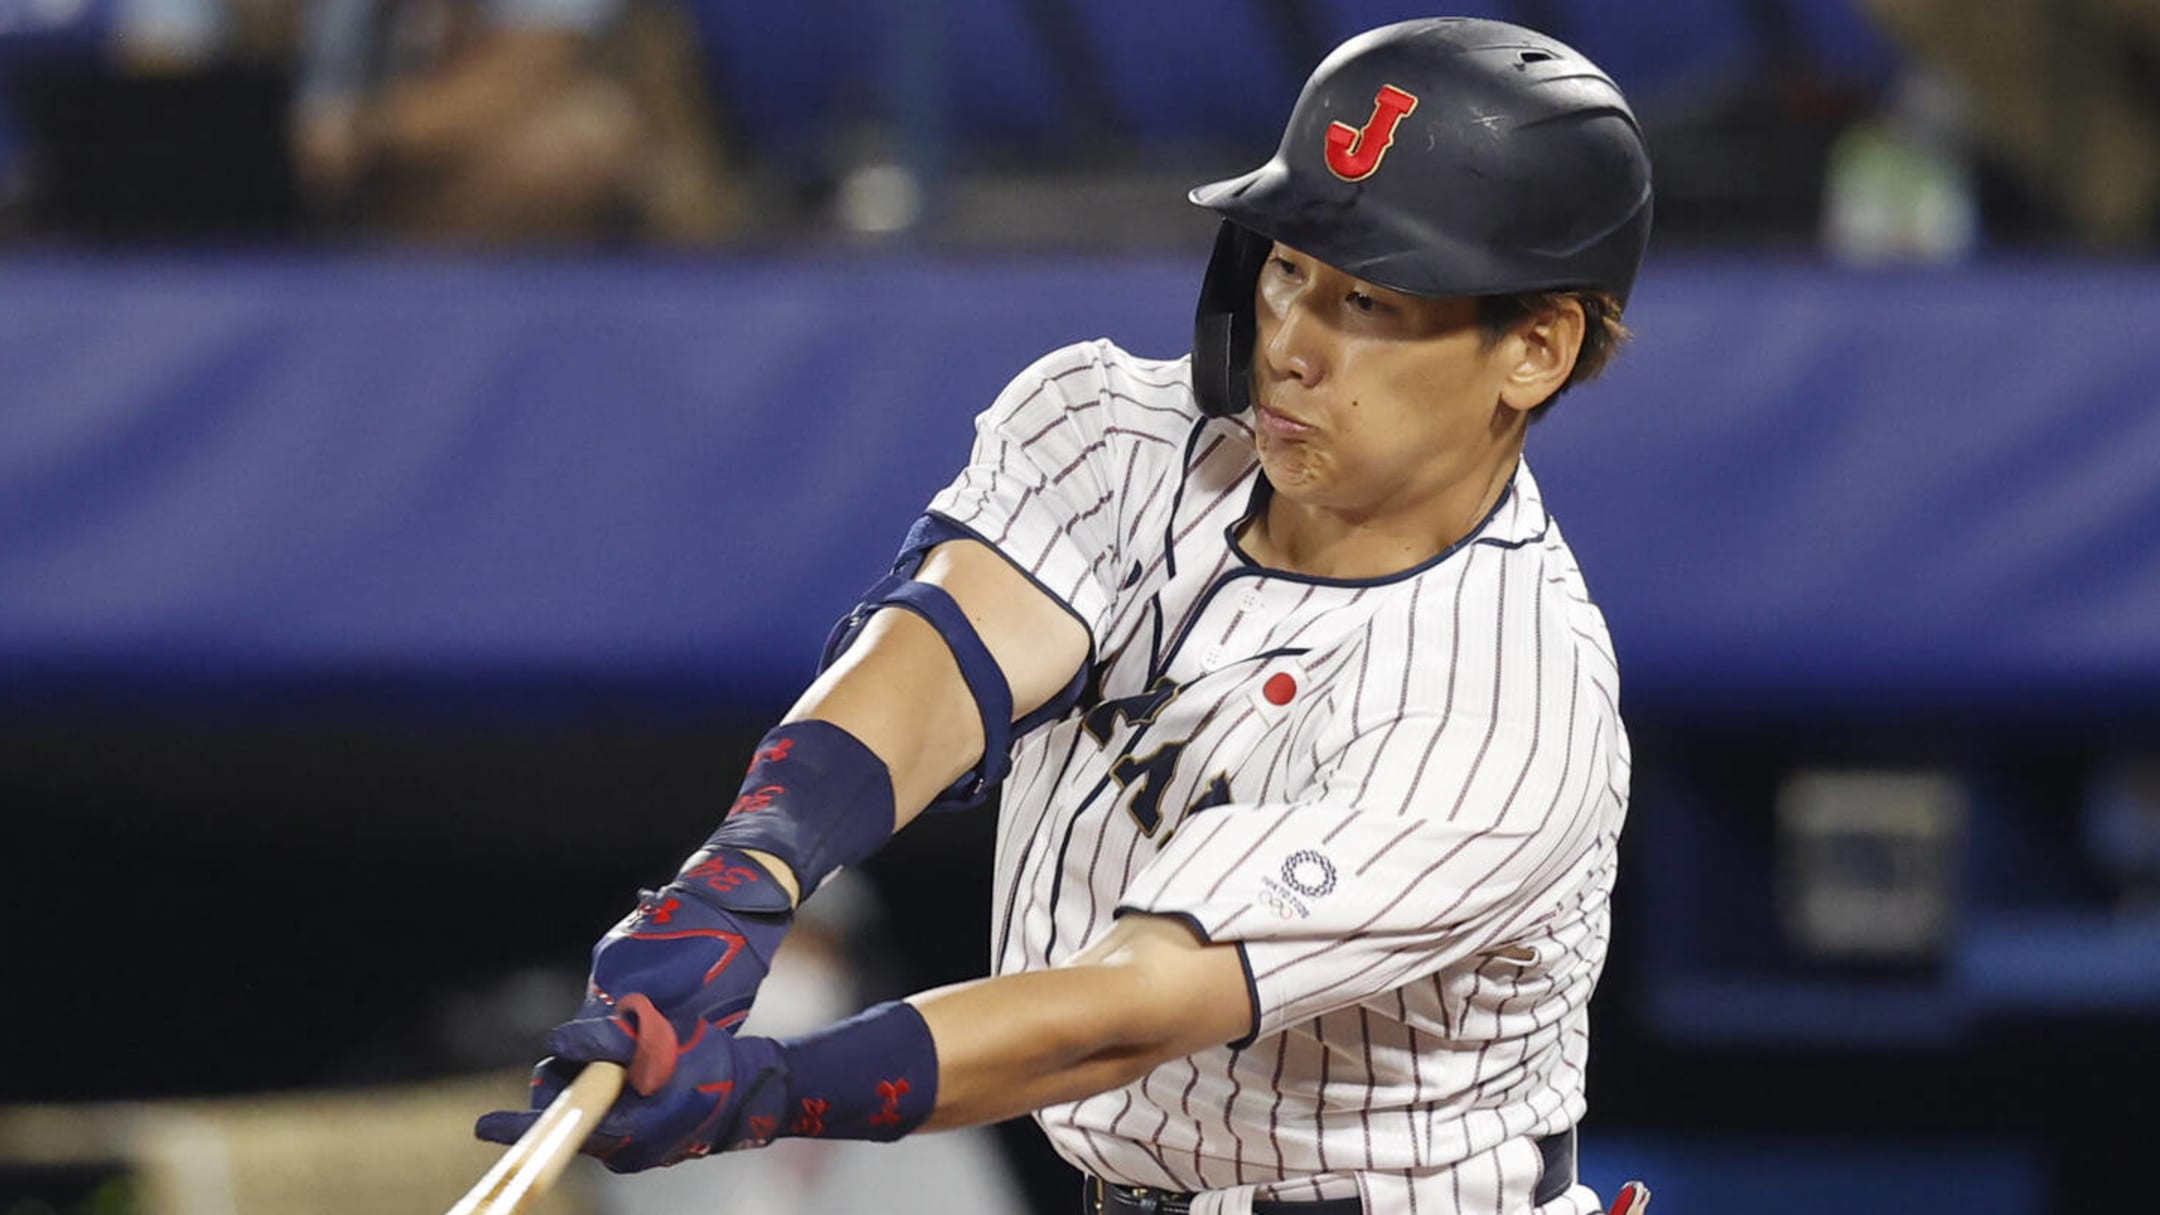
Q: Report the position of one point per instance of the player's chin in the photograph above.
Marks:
(1295, 469)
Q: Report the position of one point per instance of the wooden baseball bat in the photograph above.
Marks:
(529, 1166)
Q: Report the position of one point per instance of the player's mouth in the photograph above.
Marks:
(1279, 424)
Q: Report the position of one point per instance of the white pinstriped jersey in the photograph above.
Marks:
(1401, 797)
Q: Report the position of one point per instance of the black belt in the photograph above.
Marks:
(1105, 1198)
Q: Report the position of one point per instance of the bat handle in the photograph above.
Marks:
(531, 1165)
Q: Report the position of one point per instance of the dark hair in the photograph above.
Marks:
(1603, 332)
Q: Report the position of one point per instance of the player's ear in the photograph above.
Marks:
(1538, 354)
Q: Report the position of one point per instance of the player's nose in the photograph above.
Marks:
(1291, 348)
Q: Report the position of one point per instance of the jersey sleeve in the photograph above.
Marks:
(1042, 484)
(1428, 839)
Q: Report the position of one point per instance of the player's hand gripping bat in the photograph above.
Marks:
(531, 1164)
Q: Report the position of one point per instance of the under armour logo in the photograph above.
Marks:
(662, 913)
(1353, 153)
(756, 799)
(890, 1092)
(774, 753)
(812, 1119)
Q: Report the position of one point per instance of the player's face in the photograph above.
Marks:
(1369, 401)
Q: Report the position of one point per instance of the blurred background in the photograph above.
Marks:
(436, 435)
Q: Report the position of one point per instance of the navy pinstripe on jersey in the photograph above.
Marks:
(1400, 796)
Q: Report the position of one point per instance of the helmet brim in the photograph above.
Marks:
(1341, 224)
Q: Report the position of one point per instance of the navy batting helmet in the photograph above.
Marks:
(1440, 157)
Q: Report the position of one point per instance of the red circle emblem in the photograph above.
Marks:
(1279, 688)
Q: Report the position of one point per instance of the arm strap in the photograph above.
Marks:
(985, 679)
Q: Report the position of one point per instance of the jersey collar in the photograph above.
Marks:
(1519, 518)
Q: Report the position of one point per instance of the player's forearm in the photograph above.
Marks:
(1146, 992)
(893, 722)
(1012, 1045)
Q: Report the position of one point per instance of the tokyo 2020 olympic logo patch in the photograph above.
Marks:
(1309, 873)
(1305, 875)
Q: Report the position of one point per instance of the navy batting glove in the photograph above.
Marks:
(724, 1092)
(683, 967)
(697, 949)
(686, 962)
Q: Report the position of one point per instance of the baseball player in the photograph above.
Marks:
(1306, 724)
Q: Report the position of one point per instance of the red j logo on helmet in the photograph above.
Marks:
(1354, 152)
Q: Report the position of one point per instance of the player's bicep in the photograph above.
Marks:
(900, 688)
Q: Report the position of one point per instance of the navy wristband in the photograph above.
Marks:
(872, 1076)
(815, 797)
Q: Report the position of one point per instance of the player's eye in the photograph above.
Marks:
(1366, 304)
(1283, 266)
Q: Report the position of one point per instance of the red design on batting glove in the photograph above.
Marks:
(718, 875)
(812, 1119)
(733, 940)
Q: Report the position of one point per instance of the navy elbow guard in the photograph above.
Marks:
(985, 679)
(978, 669)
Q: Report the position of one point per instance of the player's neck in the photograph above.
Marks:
(1322, 542)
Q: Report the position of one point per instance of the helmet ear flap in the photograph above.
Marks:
(1222, 352)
